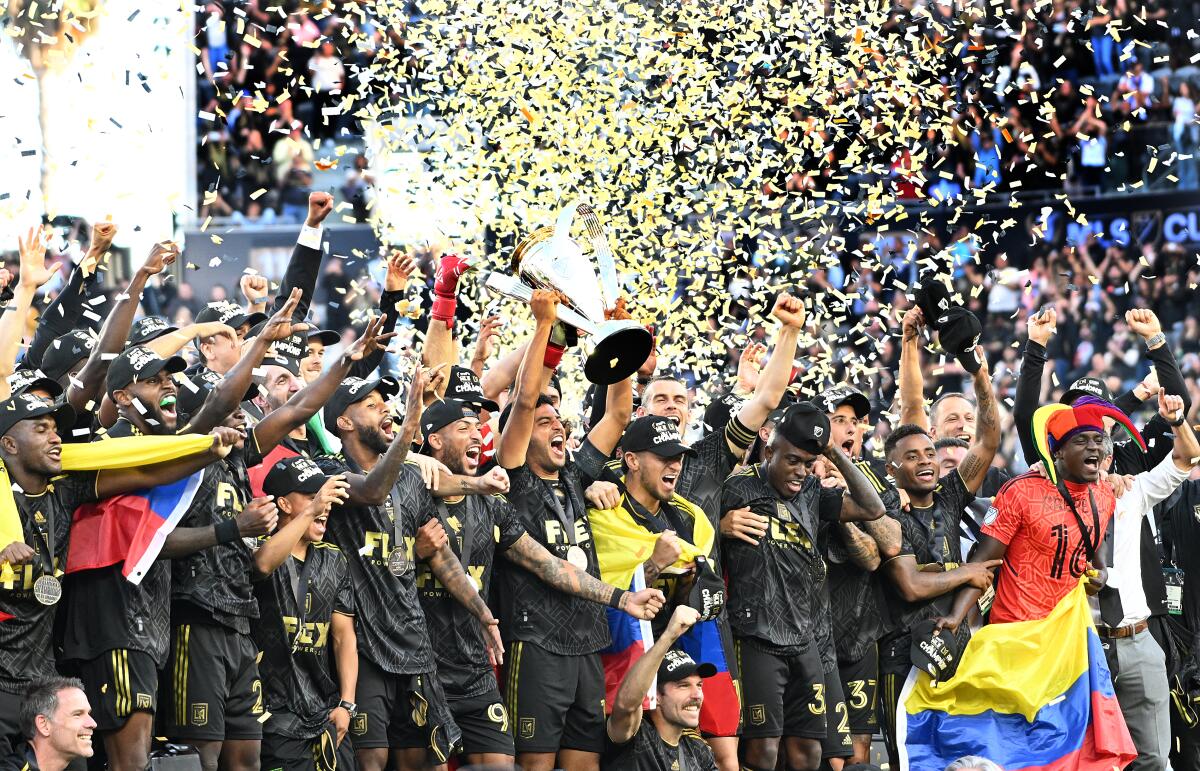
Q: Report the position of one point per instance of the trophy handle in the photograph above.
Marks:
(607, 268)
(519, 290)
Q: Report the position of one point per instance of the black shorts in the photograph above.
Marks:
(781, 695)
(860, 684)
(388, 717)
(282, 753)
(484, 723)
(118, 683)
(555, 702)
(210, 688)
(837, 742)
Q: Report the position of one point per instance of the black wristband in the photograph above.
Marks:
(227, 531)
(614, 602)
(1177, 423)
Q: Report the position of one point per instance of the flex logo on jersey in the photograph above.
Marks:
(378, 546)
(426, 580)
(315, 633)
(227, 497)
(555, 534)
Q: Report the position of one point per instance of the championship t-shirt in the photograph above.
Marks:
(296, 637)
(26, 652)
(477, 526)
(554, 514)
(1046, 552)
(388, 618)
(648, 751)
(774, 587)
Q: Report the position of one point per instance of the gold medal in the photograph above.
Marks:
(47, 590)
(577, 557)
(398, 563)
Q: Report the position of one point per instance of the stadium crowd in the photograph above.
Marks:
(283, 551)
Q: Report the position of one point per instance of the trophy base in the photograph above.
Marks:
(618, 349)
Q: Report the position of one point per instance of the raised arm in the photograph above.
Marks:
(89, 382)
(272, 429)
(626, 717)
(399, 269)
(1185, 450)
(514, 440)
(305, 264)
(862, 501)
(439, 346)
(775, 376)
(911, 382)
(34, 274)
(975, 463)
(272, 553)
(62, 315)
(372, 488)
(1029, 382)
(172, 343)
(496, 379)
(227, 394)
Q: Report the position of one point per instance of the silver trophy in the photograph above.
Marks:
(548, 258)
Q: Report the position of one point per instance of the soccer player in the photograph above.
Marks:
(452, 436)
(664, 739)
(45, 499)
(774, 587)
(553, 678)
(306, 606)
(56, 722)
(401, 705)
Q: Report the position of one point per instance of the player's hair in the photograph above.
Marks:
(937, 403)
(974, 761)
(901, 433)
(1106, 445)
(950, 441)
(662, 378)
(541, 400)
(41, 698)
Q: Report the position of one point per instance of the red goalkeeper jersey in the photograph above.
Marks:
(1046, 553)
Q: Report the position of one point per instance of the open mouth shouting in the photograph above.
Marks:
(927, 475)
(385, 426)
(669, 479)
(558, 446)
(166, 406)
(472, 455)
(1091, 463)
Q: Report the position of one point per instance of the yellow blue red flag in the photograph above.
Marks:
(1028, 695)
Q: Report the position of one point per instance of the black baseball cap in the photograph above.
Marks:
(25, 406)
(938, 654)
(806, 426)
(226, 313)
(442, 413)
(148, 328)
(656, 434)
(297, 474)
(959, 331)
(464, 386)
(1087, 386)
(28, 379)
(289, 363)
(677, 665)
(139, 363)
(67, 351)
(354, 390)
(835, 397)
(933, 298)
(324, 336)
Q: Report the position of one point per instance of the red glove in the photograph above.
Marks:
(445, 287)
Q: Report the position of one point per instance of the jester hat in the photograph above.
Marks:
(1054, 424)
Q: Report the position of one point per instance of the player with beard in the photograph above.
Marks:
(666, 740)
(852, 555)
(774, 588)
(306, 603)
(554, 681)
(128, 640)
(952, 414)
(452, 436)
(45, 499)
(929, 564)
(401, 705)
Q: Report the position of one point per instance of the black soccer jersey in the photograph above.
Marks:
(701, 476)
(388, 618)
(554, 514)
(105, 611)
(214, 584)
(25, 635)
(295, 639)
(648, 751)
(479, 527)
(931, 536)
(774, 586)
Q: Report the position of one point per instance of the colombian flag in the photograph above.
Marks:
(1028, 695)
(622, 545)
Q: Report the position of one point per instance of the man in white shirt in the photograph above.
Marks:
(1135, 658)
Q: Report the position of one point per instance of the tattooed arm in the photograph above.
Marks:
(974, 467)
(560, 574)
(886, 533)
(916, 585)
(862, 548)
(862, 501)
(449, 571)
